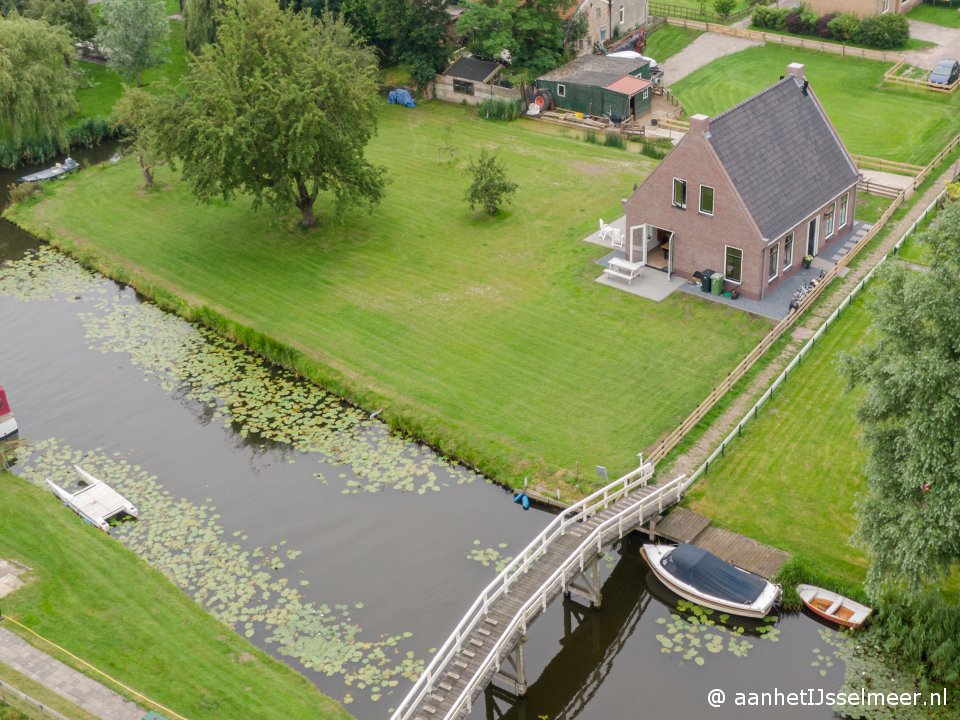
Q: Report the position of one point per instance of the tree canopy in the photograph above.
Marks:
(200, 23)
(530, 34)
(144, 117)
(133, 35)
(491, 187)
(280, 108)
(74, 15)
(36, 82)
(909, 519)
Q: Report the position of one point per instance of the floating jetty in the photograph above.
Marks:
(96, 502)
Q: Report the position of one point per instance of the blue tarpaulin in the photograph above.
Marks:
(400, 97)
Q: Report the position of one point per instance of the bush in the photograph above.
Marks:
(500, 109)
(885, 31)
(801, 21)
(90, 132)
(723, 8)
(23, 191)
(772, 18)
(823, 25)
(845, 27)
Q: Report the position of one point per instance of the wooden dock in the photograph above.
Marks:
(685, 526)
(564, 558)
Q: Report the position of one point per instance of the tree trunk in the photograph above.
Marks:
(306, 212)
(147, 175)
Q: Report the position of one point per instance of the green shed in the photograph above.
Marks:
(619, 88)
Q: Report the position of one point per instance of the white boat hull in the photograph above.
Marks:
(8, 427)
(760, 608)
(833, 607)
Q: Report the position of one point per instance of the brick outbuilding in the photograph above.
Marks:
(748, 193)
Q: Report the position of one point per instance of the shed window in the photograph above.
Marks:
(463, 87)
(788, 250)
(621, 14)
(561, 90)
(646, 93)
(706, 200)
(774, 267)
(733, 264)
(679, 193)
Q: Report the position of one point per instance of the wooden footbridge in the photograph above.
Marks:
(564, 558)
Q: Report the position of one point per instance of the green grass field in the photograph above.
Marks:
(488, 335)
(872, 119)
(704, 6)
(870, 207)
(668, 40)
(791, 479)
(98, 600)
(102, 86)
(936, 15)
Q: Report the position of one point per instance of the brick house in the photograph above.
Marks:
(607, 17)
(749, 192)
(863, 8)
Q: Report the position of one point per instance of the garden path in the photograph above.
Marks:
(64, 681)
(702, 51)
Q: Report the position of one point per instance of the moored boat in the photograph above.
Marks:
(701, 577)
(8, 423)
(833, 606)
(68, 165)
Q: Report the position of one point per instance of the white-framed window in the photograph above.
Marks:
(828, 221)
(706, 200)
(621, 14)
(598, 13)
(646, 93)
(788, 250)
(884, 6)
(463, 87)
(603, 34)
(561, 90)
(843, 210)
(773, 268)
(679, 193)
(733, 264)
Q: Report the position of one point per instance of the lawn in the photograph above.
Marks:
(936, 15)
(39, 693)
(705, 6)
(486, 335)
(102, 86)
(870, 207)
(668, 40)
(869, 116)
(98, 600)
(791, 479)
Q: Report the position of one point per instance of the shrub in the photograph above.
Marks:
(885, 31)
(801, 21)
(23, 191)
(845, 27)
(500, 109)
(823, 25)
(90, 132)
(772, 18)
(723, 8)
(614, 141)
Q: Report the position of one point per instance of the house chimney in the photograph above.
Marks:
(797, 70)
(700, 124)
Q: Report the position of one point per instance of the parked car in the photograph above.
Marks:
(945, 73)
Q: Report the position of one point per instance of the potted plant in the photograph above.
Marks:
(807, 260)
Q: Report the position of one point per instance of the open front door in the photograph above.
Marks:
(670, 256)
(632, 253)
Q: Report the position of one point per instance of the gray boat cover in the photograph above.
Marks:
(712, 576)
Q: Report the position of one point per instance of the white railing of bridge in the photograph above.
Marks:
(586, 508)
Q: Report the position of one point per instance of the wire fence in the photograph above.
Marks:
(26, 705)
(808, 347)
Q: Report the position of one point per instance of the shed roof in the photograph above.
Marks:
(470, 68)
(597, 70)
(629, 85)
(783, 155)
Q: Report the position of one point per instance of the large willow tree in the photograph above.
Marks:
(281, 108)
(909, 519)
(36, 82)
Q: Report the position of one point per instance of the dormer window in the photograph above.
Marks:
(680, 193)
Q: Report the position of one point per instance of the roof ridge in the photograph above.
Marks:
(753, 97)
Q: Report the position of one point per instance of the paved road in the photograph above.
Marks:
(66, 682)
(702, 51)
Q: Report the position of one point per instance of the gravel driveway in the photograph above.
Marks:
(947, 39)
(702, 51)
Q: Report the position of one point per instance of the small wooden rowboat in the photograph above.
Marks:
(833, 607)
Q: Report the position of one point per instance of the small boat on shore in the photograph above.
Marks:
(68, 165)
(701, 577)
(8, 423)
(833, 606)
(96, 502)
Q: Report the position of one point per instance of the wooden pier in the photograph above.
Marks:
(564, 558)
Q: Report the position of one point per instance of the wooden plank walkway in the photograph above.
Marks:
(479, 653)
(685, 526)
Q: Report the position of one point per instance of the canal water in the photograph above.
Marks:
(342, 549)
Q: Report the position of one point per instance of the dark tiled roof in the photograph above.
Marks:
(469, 68)
(782, 154)
(597, 70)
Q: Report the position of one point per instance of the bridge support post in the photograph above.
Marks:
(515, 674)
(652, 531)
(586, 583)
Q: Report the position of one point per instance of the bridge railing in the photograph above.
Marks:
(589, 506)
(557, 582)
